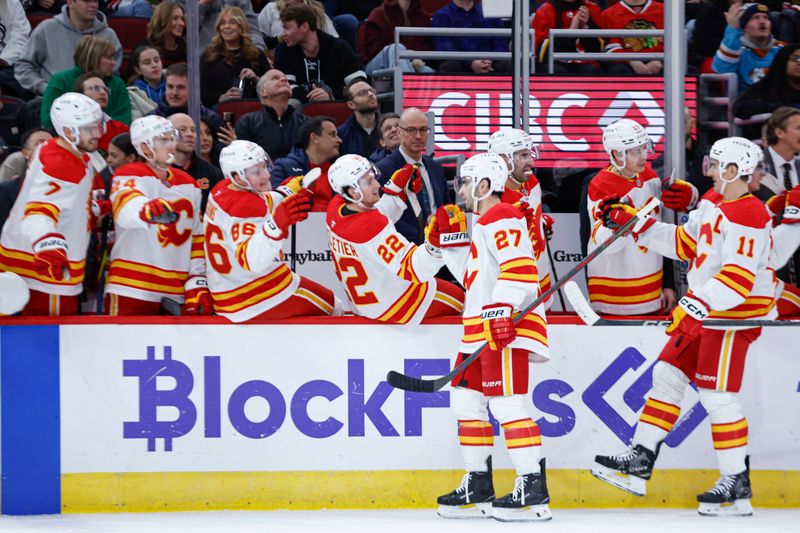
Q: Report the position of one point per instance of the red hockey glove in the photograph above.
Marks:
(791, 212)
(687, 317)
(616, 214)
(50, 256)
(198, 298)
(775, 204)
(292, 210)
(158, 211)
(406, 176)
(452, 224)
(498, 328)
(680, 196)
(548, 222)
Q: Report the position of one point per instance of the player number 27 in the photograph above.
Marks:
(501, 238)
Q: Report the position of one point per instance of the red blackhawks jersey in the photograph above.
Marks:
(531, 193)
(55, 198)
(728, 245)
(498, 267)
(152, 261)
(245, 271)
(621, 16)
(547, 18)
(626, 278)
(386, 277)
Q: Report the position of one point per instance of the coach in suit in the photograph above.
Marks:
(414, 133)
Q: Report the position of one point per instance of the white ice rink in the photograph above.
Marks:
(593, 521)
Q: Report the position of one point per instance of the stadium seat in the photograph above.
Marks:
(336, 109)
(238, 107)
(36, 18)
(130, 31)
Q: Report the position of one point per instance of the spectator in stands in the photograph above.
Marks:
(360, 133)
(377, 47)
(53, 42)
(120, 151)
(16, 118)
(176, 100)
(231, 65)
(360, 9)
(209, 146)
(389, 140)
(318, 66)
(414, 131)
(276, 128)
(783, 147)
(748, 48)
(92, 55)
(567, 14)
(166, 32)
(16, 31)
(635, 15)
(205, 174)
(780, 87)
(209, 10)
(13, 170)
(148, 72)
(318, 146)
(707, 32)
(92, 86)
(43, 6)
(269, 20)
(128, 8)
(468, 14)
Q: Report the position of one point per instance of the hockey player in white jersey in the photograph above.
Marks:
(727, 241)
(524, 191)
(246, 224)
(158, 252)
(47, 233)
(499, 273)
(386, 277)
(786, 240)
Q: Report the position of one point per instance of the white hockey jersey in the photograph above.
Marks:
(245, 271)
(152, 261)
(498, 267)
(626, 278)
(55, 198)
(386, 278)
(728, 245)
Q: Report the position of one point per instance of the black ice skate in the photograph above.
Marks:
(528, 502)
(628, 471)
(730, 496)
(472, 499)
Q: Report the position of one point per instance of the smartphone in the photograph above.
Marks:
(227, 118)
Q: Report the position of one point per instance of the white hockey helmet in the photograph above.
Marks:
(509, 141)
(481, 167)
(346, 171)
(238, 157)
(71, 111)
(623, 135)
(14, 293)
(147, 128)
(745, 154)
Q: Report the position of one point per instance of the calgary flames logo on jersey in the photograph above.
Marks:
(171, 233)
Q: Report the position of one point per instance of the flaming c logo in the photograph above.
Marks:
(170, 233)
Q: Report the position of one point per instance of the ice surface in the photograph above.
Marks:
(416, 521)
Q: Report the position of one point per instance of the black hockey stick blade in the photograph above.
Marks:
(171, 306)
(401, 381)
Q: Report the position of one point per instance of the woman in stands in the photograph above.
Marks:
(209, 147)
(231, 65)
(166, 32)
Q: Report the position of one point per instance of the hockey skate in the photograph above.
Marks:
(730, 496)
(528, 501)
(472, 499)
(628, 471)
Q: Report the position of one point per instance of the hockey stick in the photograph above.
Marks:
(588, 315)
(171, 306)
(409, 383)
(308, 180)
(555, 276)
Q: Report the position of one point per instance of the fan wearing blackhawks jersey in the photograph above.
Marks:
(519, 151)
(627, 278)
(47, 233)
(727, 242)
(246, 224)
(499, 273)
(386, 277)
(158, 252)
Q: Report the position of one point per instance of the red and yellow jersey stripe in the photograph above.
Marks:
(532, 326)
(22, 263)
(475, 433)
(522, 269)
(752, 307)
(198, 251)
(48, 210)
(625, 291)
(405, 307)
(732, 435)
(685, 245)
(406, 270)
(738, 279)
(254, 292)
(123, 198)
(146, 277)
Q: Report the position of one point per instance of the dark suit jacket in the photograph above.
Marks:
(777, 172)
(408, 225)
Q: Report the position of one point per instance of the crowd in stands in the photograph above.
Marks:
(275, 64)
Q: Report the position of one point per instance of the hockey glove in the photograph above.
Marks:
(407, 176)
(680, 196)
(775, 205)
(791, 213)
(687, 318)
(290, 185)
(452, 224)
(50, 256)
(198, 298)
(290, 211)
(498, 329)
(158, 211)
(547, 224)
(616, 214)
